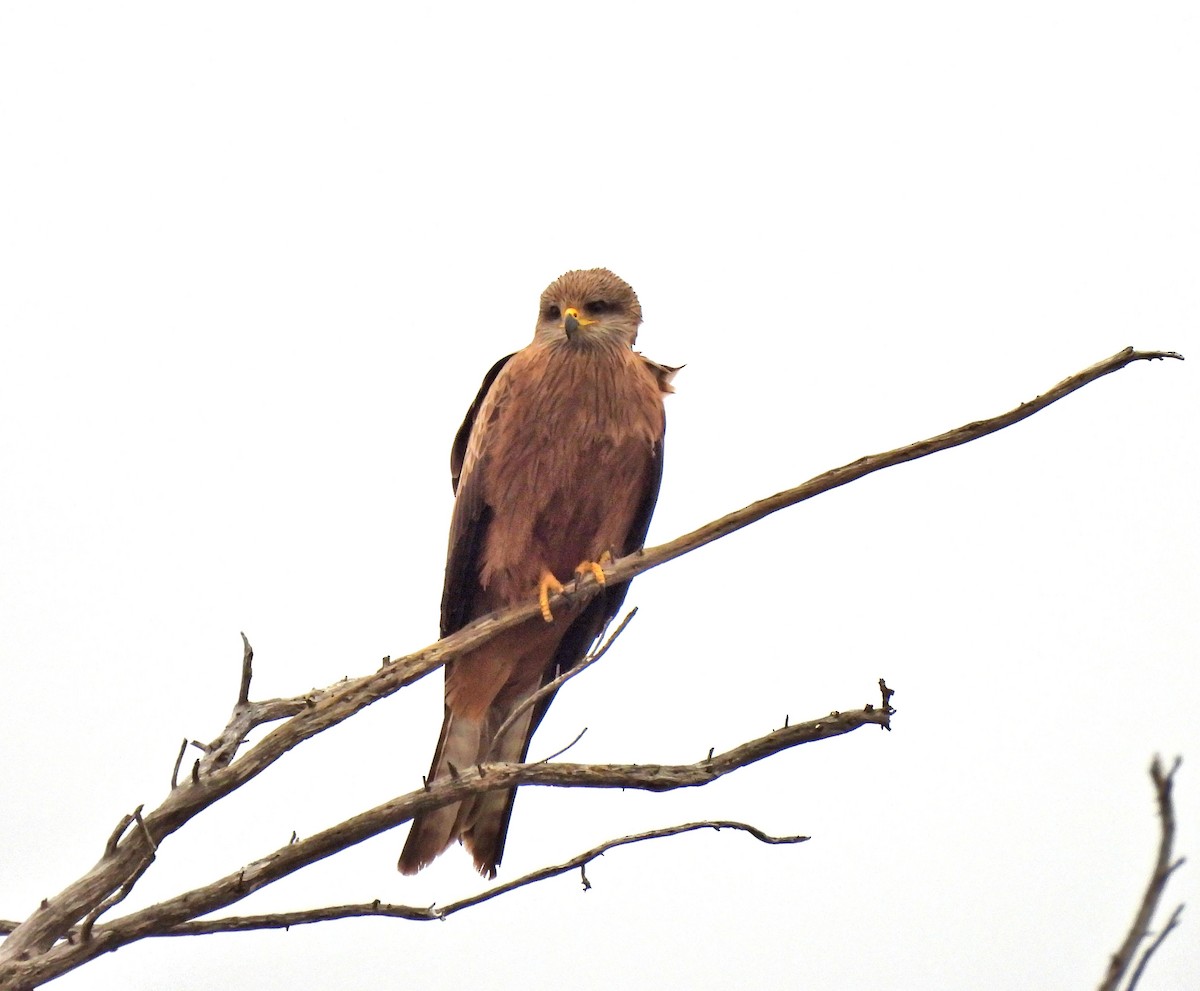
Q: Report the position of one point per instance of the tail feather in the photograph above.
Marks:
(432, 832)
(483, 824)
(496, 682)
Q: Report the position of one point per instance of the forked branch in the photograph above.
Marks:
(226, 764)
(166, 917)
(1164, 867)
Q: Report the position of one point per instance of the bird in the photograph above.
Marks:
(555, 471)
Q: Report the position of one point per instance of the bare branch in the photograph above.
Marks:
(282, 920)
(1163, 869)
(223, 769)
(164, 917)
(634, 564)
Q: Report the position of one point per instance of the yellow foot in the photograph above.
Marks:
(548, 585)
(595, 568)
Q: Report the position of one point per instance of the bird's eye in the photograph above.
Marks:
(553, 312)
(597, 306)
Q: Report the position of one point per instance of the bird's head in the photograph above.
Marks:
(589, 307)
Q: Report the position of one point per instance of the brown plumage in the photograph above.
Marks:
(557, 464)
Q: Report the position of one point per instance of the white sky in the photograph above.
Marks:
(254, 259)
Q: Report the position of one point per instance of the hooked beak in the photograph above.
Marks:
(572, 321)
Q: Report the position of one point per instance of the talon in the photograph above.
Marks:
(547, 585)
(596, 568)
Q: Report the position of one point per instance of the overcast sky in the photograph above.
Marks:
(256, 257)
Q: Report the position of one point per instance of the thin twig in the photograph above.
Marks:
(114, 837)
(1149, 951)
(137, 815)
(559, 753)
(555, 684)
(247, 672)
(178, 762)
(126, 886)
(589, 855)
(1163, 869)
(603, 649)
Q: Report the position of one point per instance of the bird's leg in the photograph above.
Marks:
(548, 585)
(594, 568)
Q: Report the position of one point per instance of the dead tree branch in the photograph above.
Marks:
(415, 913)
(165, 917)
(282, 920)
(26, 957)
(1164, 867)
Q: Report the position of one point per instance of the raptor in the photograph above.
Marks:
(555, 470)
